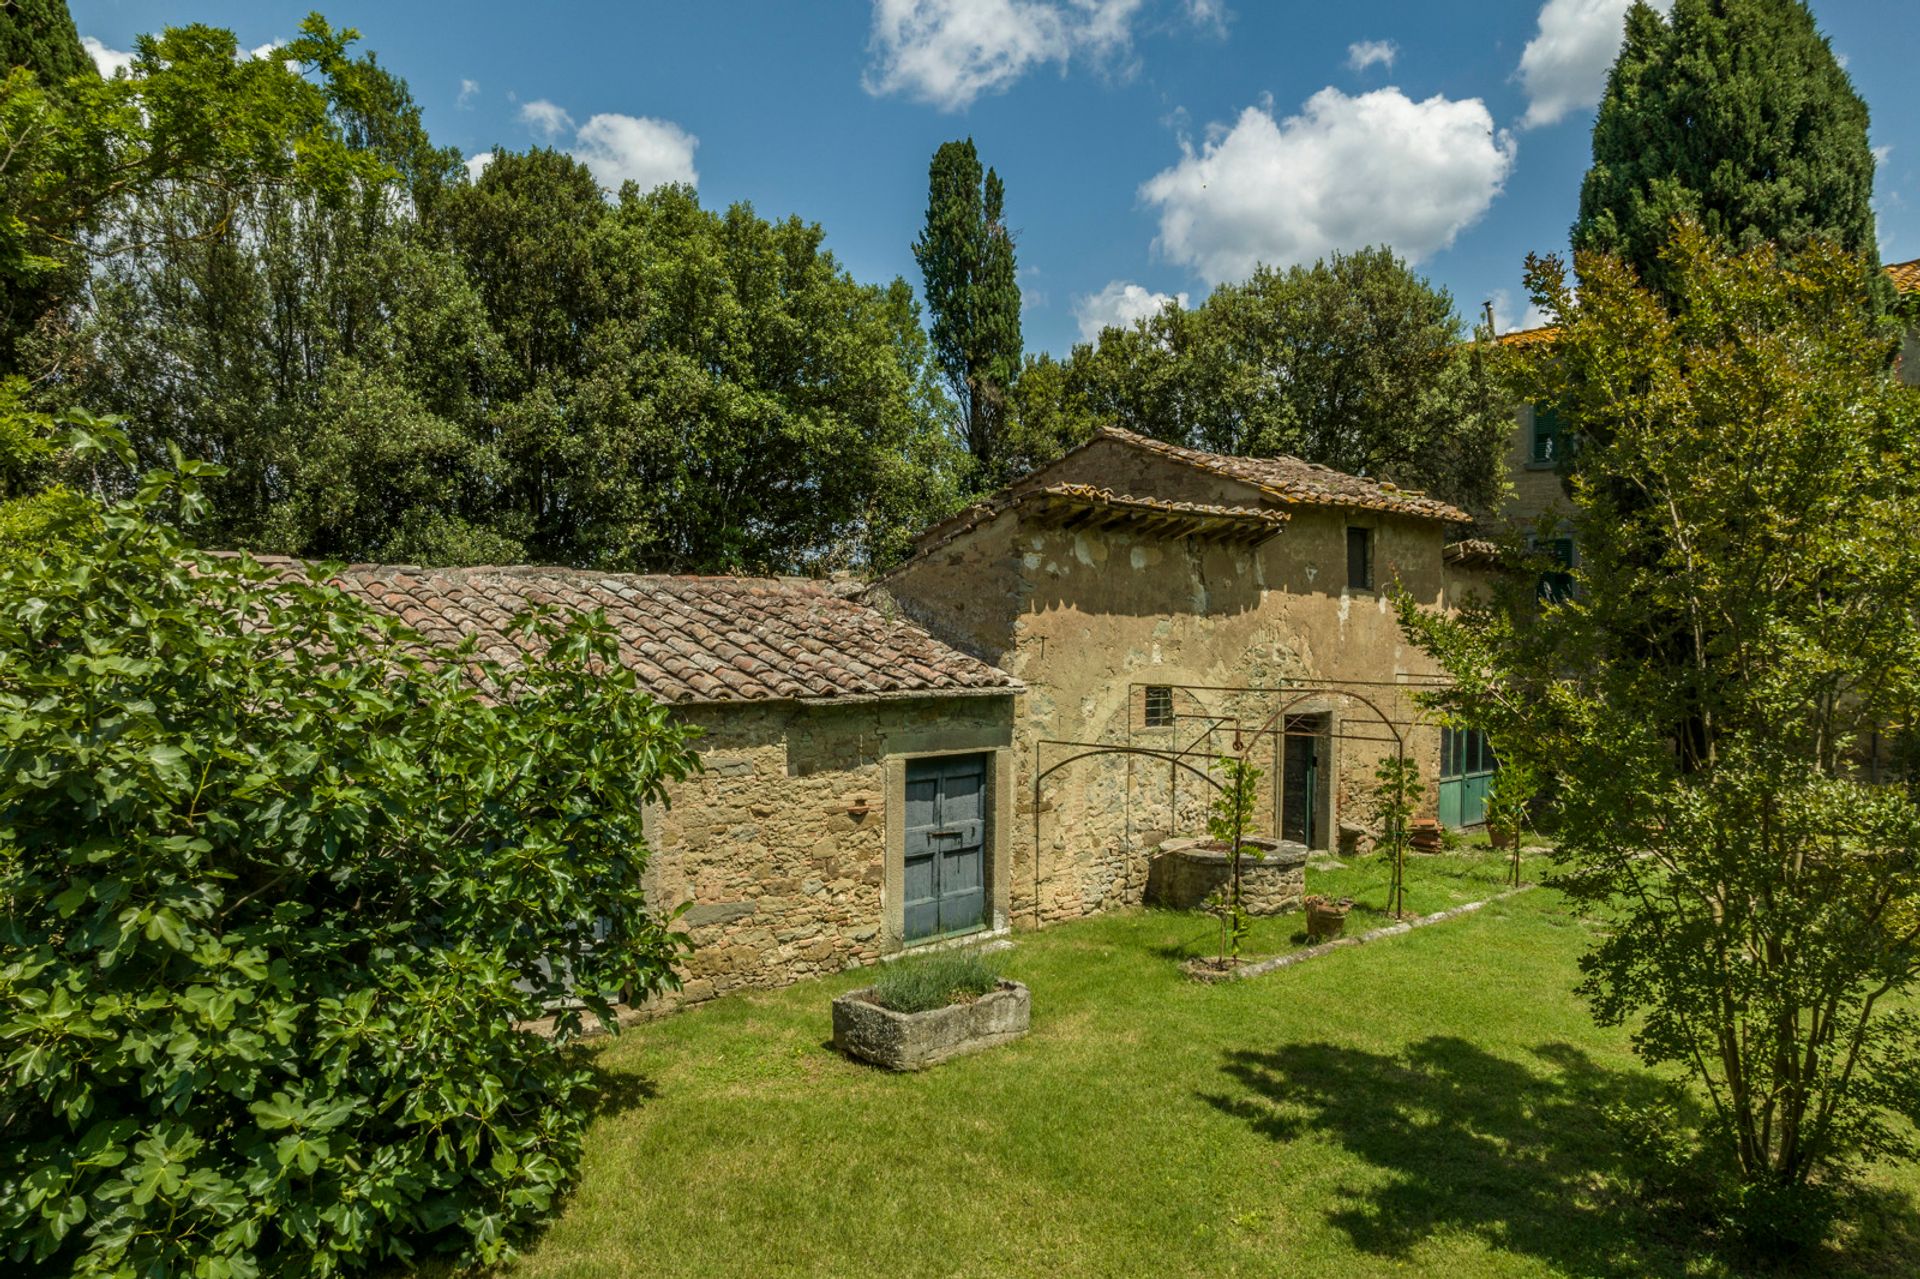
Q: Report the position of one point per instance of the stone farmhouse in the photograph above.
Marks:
(1002, 730)
(1163, 606)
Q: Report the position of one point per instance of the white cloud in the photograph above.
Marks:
(1367, 53)
(108, 60)
(545, 119)
(477, 165)
(1209, 14)
(1564, 67)
(949, 52)
(262, 50)
(469, 90)
(1118, 305)
(1346, 172)
(621, 148)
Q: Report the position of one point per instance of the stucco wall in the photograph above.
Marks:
(1466, 584)
(787, 877)
(1085, 619)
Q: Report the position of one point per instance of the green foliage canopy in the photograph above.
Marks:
(393, 362)
(278, 882)
(694, 390)
(192, 116)
(1714, 697)
(1737, 115)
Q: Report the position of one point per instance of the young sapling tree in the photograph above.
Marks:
(1232, 814)
(1396, 797)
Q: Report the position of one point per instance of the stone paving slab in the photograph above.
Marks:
(1278, 962)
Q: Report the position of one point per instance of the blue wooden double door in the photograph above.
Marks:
(946, 846)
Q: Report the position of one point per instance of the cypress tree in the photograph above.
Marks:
(966, 259)
(1734, 112)
(40, 36)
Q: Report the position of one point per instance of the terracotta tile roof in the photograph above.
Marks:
(1529, 337)
(690, 639)
(1905, 277)
(1291, 481)
(1080, 505)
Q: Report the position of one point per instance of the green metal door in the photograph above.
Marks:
(946, 841)
(1467, 766)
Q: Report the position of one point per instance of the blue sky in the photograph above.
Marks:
(1150, 147)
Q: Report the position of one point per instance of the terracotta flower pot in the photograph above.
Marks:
(1327, 919)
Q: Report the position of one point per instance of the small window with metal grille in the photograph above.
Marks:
(1159, 706)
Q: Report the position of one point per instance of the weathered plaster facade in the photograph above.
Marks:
(789, 844)
(1087, 618)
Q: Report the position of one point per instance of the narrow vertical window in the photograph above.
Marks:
(1159, 706)
(1546, 436)
(1360, 559)
(1556, 585)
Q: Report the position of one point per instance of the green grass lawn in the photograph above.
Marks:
(1428, 1104)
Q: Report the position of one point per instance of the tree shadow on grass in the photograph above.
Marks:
(615, 1091)
(1468, 1142)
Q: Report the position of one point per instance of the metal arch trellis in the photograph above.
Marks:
(1296, 695)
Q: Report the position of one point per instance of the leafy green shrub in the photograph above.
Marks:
(934, 981)
(277, 885)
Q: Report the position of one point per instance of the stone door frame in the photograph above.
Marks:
(997, 747)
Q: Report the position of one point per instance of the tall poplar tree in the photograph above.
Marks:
(966, 257)
(1734, 113)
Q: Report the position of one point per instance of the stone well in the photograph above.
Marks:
(1185, 872)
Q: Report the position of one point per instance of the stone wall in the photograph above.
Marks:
(781, 844)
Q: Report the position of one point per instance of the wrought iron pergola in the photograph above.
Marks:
(1390, 709)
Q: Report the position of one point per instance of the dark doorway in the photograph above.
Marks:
(946, 843)
(1300, 780)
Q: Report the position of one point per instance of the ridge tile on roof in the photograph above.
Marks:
(1294, 481)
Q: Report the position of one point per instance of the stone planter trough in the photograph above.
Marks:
(1185, 872)
(914, 1041)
